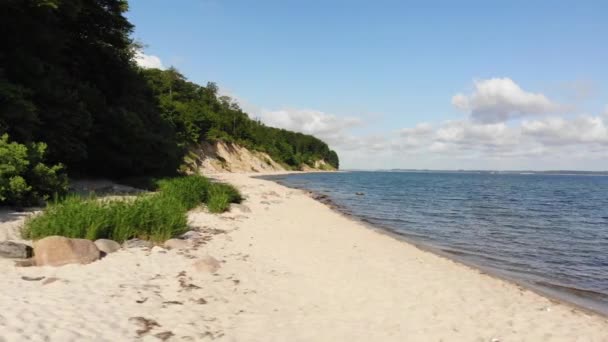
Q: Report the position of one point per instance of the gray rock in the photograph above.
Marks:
(59, 251)
(176, 244)
(135, 243)
(107, 246)
(15, 250)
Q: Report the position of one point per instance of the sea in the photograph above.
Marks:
(545, 231)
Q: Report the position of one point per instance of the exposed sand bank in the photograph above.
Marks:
(292, 270)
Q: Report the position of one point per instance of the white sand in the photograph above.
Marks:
(293, 270)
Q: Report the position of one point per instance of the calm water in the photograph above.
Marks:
(548, 231)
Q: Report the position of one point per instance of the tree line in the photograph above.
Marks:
(68, 79)
(198, 113)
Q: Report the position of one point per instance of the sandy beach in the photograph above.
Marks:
(291, 269)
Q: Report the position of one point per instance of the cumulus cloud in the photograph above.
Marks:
(559, 131)
(500, 99)
(546, 137)
(420, 129)
(148, 61)
(331, 128)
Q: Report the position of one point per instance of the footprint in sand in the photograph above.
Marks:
(165, 335)
(145, 324)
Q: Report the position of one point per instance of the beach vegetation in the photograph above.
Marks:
(220, 197)
(25, 179)
(190, 191)
(151, 216)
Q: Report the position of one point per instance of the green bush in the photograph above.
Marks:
(220, 196)
(156, 217)
(72, 217)
(153, 217)
(24, 178)
(190, 190)
(150, 217)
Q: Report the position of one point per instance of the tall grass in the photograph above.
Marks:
(156, 217)
(152, 217)
(220, 196)
(190, 191)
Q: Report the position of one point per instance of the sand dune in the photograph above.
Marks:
(292, 270)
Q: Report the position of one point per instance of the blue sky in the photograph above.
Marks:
(364, 75)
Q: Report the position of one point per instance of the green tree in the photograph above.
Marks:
(24, 178)
(67, 78)
(199, 113)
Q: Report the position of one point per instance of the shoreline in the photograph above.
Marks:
(291, 269)
(560, 296)
(465, 267)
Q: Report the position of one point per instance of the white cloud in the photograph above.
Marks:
(420, 129)
(500, 99)
(545, 138)
(148, 61)
(559, 131)
(330, 128)
(464, 138)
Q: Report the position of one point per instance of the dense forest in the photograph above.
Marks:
(68, 79)
(198, 113)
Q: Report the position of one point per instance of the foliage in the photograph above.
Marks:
(24, 178)
(150, 217)
(157, 217)
(199, 113)
(67, 78)
(190, 191)
(220, 196)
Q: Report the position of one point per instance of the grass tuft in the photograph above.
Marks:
(156, 217)
(220, 196)
(190, 190)
(152, 217)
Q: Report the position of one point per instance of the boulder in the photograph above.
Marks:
(207, 264)
(107, 246)
(134, 243)
(15, 250)
(176, 244)
(59, 251)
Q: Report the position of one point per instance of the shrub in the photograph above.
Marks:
(73, 217)
(24, 178)
(151, 217)
(220, 196)
(156, 217)
(189, 190)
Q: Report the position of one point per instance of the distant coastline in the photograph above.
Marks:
(514, 172)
